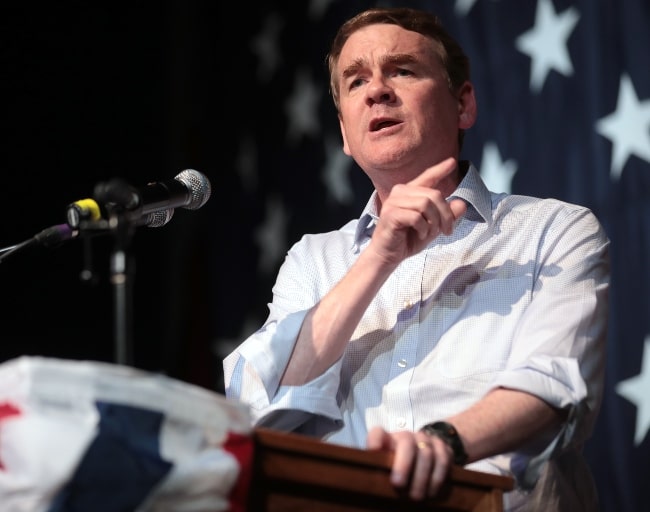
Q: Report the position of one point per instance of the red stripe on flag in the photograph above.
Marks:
(240, 447)
(6, 411)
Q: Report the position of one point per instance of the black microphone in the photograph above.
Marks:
(152, 205)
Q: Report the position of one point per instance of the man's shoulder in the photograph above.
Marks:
(524, 202)
(540, 211)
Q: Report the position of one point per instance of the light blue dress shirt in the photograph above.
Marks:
(515, 297)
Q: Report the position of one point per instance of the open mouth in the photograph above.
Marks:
(380, 124)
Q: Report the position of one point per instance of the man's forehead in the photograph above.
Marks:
(378, 42)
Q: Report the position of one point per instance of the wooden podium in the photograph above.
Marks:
(295, 473)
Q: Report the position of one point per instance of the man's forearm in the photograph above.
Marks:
(503, 421)
(328, 327)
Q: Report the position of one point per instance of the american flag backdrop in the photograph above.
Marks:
(563, 90)
(239, 91)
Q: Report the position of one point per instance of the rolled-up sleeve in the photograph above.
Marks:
(252, 374)
(559, 355)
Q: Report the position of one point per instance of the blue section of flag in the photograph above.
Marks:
(120, 467)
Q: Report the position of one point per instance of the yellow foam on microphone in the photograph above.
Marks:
(86, 210)
(89, 209)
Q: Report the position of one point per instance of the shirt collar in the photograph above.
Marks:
(367, 222)
(474, 192)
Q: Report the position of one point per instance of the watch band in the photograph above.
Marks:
(447, 432)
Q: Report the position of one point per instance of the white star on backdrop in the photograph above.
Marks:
(317, 8)
(628, 127)
(637, 390)
(462, 7)
(267, 47)
(496, 173)
(336, 172)
(302, 107)
(271, 236)
(546, 43)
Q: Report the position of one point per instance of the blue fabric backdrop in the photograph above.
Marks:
(564, 111)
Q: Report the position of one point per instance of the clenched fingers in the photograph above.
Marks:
(420, 463)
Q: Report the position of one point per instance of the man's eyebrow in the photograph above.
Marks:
(353, 68)
(393, 58)
(398, 58)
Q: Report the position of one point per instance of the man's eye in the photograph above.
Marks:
(403, 72)
(356, 83)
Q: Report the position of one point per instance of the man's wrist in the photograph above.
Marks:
(448, 433)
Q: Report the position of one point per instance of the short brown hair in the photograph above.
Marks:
(452, 56)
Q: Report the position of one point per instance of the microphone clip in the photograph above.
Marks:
(117, 195)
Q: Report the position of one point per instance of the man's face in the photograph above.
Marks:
(396, 108)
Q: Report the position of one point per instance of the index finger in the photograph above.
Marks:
(435, 174)
(405, 455)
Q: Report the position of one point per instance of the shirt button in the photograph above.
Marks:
(402, 363)
(401, 422)
(408, 304)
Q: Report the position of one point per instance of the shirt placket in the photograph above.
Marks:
(408, 302)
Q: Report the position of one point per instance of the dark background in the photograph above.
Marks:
(93, 91)
(140, 91)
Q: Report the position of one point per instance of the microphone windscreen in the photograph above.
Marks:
(199, 186)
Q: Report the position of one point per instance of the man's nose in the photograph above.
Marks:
(380, 91)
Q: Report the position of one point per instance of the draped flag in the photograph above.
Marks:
(563, 91)
(93, 436)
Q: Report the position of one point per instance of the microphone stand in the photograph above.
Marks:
(122, 225)
(120, 277)
(119, 199)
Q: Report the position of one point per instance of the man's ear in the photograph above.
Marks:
(467, 108)
(346, 149)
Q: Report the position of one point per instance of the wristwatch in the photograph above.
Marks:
(447, 432)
